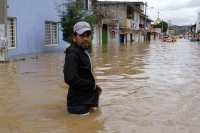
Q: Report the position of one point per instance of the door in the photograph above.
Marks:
(105, 34)
(121, 38)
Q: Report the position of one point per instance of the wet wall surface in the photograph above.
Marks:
(151, 88)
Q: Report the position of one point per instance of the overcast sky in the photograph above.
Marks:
(177, 12)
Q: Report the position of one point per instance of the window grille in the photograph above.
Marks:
(84, 4)
(51, 33)
(11, 33)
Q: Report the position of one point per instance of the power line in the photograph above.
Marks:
(176, 13)
(167, 16)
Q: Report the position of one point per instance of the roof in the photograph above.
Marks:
(129, 3)
(148, 19)
(138, 2)
(157, 21)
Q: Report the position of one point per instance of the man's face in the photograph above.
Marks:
(83, 40)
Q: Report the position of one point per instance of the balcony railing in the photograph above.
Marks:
(157, 30)
(131, 24)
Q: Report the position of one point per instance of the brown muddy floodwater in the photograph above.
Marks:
(147, 88)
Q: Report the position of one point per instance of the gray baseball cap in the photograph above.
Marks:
(81, 27)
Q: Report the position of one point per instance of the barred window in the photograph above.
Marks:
(51, 33)
(11, 32)
(84, 4)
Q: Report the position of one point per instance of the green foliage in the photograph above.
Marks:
(22, 59)
(181, 31)
(36, 57)
(70, 13)
(163, 25)
(15, 59)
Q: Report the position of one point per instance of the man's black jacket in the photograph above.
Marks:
(79, 77)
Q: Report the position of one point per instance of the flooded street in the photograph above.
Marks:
(147, 88)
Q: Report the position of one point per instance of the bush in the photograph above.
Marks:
(70, 13)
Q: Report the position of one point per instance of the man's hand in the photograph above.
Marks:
(95, 86)
(99, 89)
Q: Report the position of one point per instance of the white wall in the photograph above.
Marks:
(97, 36)
(198, 26)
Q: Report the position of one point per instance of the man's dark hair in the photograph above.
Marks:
(75, 33)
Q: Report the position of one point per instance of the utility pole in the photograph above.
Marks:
(168, 27)
(145, 23)
(162, 29)
(3, 22)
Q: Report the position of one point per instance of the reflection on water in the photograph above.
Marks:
(150, 87)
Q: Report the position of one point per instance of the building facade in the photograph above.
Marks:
(149, 29)
(33, 26)
(119, 21)
(156, 33)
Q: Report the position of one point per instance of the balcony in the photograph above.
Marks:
(131, 24)
(157, 30)
(141, 26)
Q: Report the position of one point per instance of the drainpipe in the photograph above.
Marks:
(100, 32)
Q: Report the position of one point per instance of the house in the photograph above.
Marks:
(156, 32)
(193, 31)
(149, 29)
(171, 32)
(198, 28)
(33, 26)
(119, 21)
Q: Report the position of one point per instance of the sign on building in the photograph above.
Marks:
(113, 32)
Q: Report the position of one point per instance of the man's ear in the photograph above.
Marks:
(74, 38)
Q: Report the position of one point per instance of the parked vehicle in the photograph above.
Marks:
(194, 39)
(180, 36)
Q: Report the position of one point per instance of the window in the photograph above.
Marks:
(11, 33)
(138, 5)
(51, 33)
(84, 4)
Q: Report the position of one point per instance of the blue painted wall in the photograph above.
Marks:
(30, 25)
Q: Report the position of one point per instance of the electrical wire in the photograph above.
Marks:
(167, 16)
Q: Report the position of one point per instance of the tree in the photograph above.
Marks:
(163, 25)
(70, 13)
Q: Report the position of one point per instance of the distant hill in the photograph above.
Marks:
(180, 29)
(177, 27)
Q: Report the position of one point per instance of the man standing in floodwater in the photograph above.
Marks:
(83, 92)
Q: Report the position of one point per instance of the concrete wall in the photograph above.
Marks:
(30, 25)
(3, 33)
(113, 12)
(2, 11)
(121, 11)
(97, 36)
(198, 26)
(157, 30)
